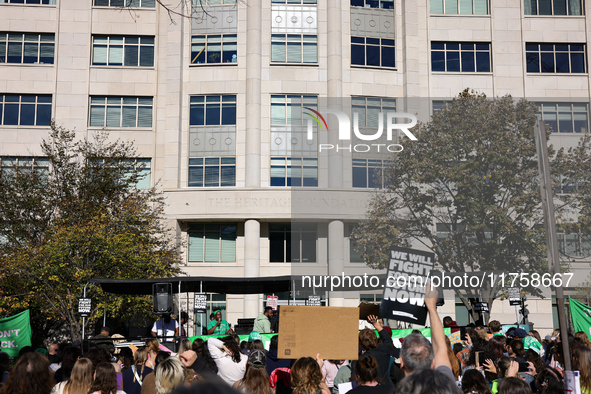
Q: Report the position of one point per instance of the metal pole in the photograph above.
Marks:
(83, 319)
(516, 316)
(551, 238)
(105, 313)
(179, 316)
(201, 314)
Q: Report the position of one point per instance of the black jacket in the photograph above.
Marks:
(382, 354)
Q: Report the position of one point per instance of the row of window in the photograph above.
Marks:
(130, 51)
(450, 7)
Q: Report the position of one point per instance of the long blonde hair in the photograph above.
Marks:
(170, 374)
(306, 376)
(81, 377)
(139, 359)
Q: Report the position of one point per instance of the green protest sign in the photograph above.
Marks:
(15, 333)
(581, 315)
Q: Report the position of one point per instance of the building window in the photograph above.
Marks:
(368, 110)
(212, 171)
(27, 48)
(291, 171)
(145, 171)
(378, 52)
(11, 163)
(121, 111)
(368, 173)
(125, 3)
(292, 243)
(553, 7)
(576, 245)
(555, 58)
(294, 48)
(212, 49)
(200, 3)
(289, 109)
(294, 2)
(213, 110)
(25, 110)
(123, 51)
(384, 4)
(565, 117)
(461, 7)
(212, 243)
(460, 57)
(50, 2)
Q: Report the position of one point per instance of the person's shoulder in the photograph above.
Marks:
(444, 369)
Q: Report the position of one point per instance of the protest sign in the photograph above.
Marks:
(481, 307)
(272, 302)
(314, 300)
(404, 293)
(84, 307)
(303, 332)
(514, 296)
(15, 333)
(200, 303)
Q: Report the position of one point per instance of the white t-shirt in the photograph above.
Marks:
(159, 327)
(59, 388)
(228, 370)
(118, 392)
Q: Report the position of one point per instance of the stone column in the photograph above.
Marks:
(336, 259)
(253, 94)
(334, 88)
(252, 264)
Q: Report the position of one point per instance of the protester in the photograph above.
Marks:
(380, 351)
(170, 374)
(29, 375)
(512, 385)
(96, 356)
(306, 376)
(262, 324)
(125, 358)
(133, 377)
(184, 319)
(52, 353)
(273, 360)
(256, 379)
(149, 382)
(453, 360)
(104, 342)
(428, 381)
(105, 380)
(368, 380)
(230, 361)
(582, 363)
(497, 344)
(165, 328)
(4, 367)
(71, 354)
(185, 345)
(583, 336)
(192, 361)
(449, 322)
(80, 379)
(330, 368)
(473, 382)
(549, 381)
(218, 326)
(153, 347)
(495, 327)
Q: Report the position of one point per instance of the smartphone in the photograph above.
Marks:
(523, 367)
(479, 356)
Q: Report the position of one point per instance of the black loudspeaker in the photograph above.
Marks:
(162, 297)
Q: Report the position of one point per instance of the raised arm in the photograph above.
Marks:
(437, 335)
(216, 348)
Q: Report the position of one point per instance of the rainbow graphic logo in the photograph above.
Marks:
(318, 115)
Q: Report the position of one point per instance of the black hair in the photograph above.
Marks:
(427, 381)
(473, 381)
(513, 385)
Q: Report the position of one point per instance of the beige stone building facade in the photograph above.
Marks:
(209, 102)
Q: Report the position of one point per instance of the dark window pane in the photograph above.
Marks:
(533, 62)
(577, 63)
(229, 55)
(27, 114)
(467, 47)
(562, 62)
(453, 61)
(372, 41)
(197, 115)
(545, 7)
(372, 3)
(359, 177)
(375, 178)
(43, 115)
(578, 48)
(482, 62)
(308, 247)
(44, 99)
(131, 55)
(30, 52)
(547, 47)
(534, 7)
(147, 56)
(228, 176)
(387, 42)
(276, 247)
(388, 57)
(229, 114)
(532, 47)
(373, 55)
(437, 61)
(358, 54)
(357, 3)
(358, 40)
(212, 176)
(196, 176)
(14, 53)
(565, 122)
(453, 47)
(468, 61)
(437, 45)
(11, 114)
(212, 114)
(559, 7)
(547, 62)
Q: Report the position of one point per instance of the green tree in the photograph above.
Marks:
(82, 218)
(467, 190)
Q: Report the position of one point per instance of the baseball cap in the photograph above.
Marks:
(533, 344)
(519, 333)
(257, 358)
(254, 336)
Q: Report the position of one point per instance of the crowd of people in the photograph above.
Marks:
(485, 362)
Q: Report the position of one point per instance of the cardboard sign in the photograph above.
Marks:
(272, 302)
(314, 300)
(200, 303)
(404, 293)
(84, 307)
(514, 295)
(481, 307)
(303, 332)
(366, 309)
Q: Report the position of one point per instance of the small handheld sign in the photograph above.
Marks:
(272, 301)
(481, 307)
(514, 296)
(314, 300)
(84, 307)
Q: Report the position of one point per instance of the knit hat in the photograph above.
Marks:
(532, 343)
(254, 336)
(257, 358)
(520, 333)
